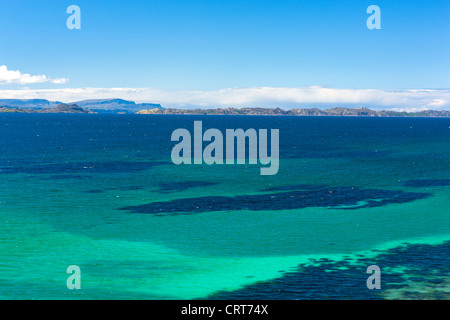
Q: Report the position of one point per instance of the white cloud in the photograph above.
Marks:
(413, 99)
(436, 103)
(15, 76)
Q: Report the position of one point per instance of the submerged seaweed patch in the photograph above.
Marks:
(65, 177)
(82, 167)
(423, 266)
(162, 188)
(129, 188)
(95, 191)
(332, 197)
(427, 183)
(325, 152)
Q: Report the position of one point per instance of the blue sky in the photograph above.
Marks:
(211, 45)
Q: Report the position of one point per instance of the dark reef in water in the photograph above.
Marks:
(64, 177)
(81, 167)
(183, 185)
(129, 188)
(162, 188)
(423, 266)
(332, 197)
(427, 183)
(330, 153)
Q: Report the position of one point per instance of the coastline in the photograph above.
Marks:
(312, 112)
(338, 111)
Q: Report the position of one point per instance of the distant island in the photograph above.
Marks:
(120, 106)
(62, 108)
(338, 111)
(97, 105)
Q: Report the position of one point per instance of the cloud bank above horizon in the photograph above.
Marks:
(301, 97)
(15, 76)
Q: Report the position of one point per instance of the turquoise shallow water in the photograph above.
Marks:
(82, 190)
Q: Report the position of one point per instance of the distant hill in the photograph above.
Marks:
(126, 106)
(344, 112)
(61, 108)
(117, 105)
(66, 108)
(100, 105)
(29, 103)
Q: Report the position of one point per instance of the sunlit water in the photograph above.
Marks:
(351, 192)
